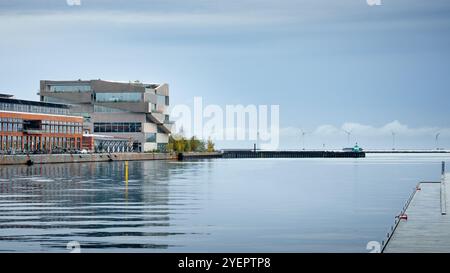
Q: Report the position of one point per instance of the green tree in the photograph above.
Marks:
(210, 145)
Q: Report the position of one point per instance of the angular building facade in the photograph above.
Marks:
(134, 110)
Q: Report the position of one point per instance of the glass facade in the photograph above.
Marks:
(162, 100)
(17, 125)
(102, 109)
(70, 88)
(17, 107)
(43, 136)
(55, 100)
(117, 127)
(118, 97)
(11, 124)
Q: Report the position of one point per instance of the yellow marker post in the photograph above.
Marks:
(126, 172)
(126, 179)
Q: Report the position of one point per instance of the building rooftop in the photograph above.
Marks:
(137, 83)
(6, 95)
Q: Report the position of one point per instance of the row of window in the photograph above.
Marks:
(11, 127)
(118, 97)
(51, 122)
(35, 143)
(104, 97)
(62, 129)
(4, 106)
(70, 88)
(56, 122)
(117, 127)
(53, 128)
(103, 109)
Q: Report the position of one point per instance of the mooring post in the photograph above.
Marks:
(254, 147)
(443, 168)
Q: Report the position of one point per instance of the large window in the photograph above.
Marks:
(70, 88)
(162, 100)
(150, 137)
(118, 97)
(117, 127)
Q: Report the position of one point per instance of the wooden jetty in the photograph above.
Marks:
(424, 225)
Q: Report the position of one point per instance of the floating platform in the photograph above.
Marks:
(424, 225)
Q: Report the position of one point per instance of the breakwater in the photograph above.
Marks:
(271, 154)
(78, 158)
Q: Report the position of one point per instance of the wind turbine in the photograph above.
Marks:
(393, 140)
(437, 140)
(348, 132)
(303, 137)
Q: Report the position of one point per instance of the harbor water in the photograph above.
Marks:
(216, 205)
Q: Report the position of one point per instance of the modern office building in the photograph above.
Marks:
(132, 110)
(32, 126)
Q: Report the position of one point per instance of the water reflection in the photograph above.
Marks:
(46, 206)
(235, 205)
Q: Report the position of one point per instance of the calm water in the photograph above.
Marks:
(231, 205)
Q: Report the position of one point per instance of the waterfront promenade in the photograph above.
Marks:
(78, 158)
(425, 224)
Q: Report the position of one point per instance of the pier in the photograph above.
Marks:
(271, 154)
(291, 154)
(423, 226)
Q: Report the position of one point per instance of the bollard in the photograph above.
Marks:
(443, 168)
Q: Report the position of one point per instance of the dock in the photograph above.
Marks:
(424, 225)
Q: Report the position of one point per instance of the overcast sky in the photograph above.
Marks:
(330, 65)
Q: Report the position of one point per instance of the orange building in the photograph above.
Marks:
(37, 127)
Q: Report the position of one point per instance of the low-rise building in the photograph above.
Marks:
(37, 127)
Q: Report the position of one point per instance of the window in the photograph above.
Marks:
(70, 88)
(150, 137)
(102, 109)
(160, 130)
(162, 147)
(33, 108)
(162, 100)
(118, 97)
(117, 127)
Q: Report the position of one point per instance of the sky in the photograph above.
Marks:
(329, 65)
